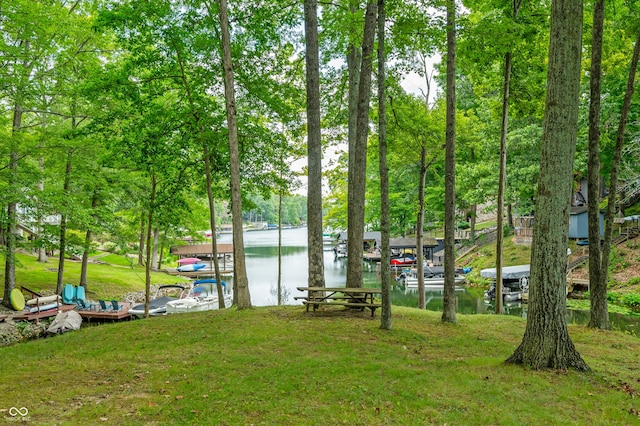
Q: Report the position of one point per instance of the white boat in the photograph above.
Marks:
(203, 297)
(157, 305)
(433, 278)
(197, 304)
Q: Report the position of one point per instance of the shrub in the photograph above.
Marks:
(634, 281)
(632, 301)
(613, 297)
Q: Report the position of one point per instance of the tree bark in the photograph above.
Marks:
(147, 266)
(141, 242)
(599, 310)
(420, 227)
(12, 212)
(314, 149)
(615, 167)
(280, 250)
(212, 223)
(546, 342)
(62, 249)
(449, 306)
(502, 180)
(357, 186)
(241, 282)
(87, 243)
(503, 168)
(385, 215)
(154, 250)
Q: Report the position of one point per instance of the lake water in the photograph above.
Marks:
(261, 251)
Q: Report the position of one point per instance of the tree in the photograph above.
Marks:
(503, 167)
(546, 342)
(240, 271)
(599, 302)
(599, 311)
(449, 307)
(385, 252)
(314, 147)
(357, 181)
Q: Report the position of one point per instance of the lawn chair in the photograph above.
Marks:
(103, 306)
(117, 307)
(84, 306)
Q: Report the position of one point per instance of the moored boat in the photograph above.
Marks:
(157, 305)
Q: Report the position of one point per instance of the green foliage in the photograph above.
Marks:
(632, 301)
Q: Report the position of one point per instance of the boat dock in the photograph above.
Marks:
(198, 273)
(122, 314)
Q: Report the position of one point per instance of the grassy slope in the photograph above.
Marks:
(104, 281)
(280, 365)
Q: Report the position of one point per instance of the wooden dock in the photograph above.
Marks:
(92, 314)
(198, 273)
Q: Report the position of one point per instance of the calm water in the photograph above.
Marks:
(261, 248)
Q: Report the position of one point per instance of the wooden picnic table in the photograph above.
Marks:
(363, 298)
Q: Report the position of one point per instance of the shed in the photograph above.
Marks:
(579, 223)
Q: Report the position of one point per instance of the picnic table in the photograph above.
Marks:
(363, 298)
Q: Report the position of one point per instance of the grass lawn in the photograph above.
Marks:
(283, 366)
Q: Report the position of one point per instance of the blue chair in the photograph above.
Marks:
(117, 307)
(84, 306)
(103, 306)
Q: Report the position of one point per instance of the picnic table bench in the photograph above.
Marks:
(363, 298)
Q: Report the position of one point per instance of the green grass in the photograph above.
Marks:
(280, 365)
(104, 281)
(485, 257)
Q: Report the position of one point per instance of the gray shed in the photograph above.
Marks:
(579, 223)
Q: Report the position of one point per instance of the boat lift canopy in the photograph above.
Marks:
(508, 272)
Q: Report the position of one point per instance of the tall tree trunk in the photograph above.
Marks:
(615, 168)
(420, 227)
(502, 180)
(147, 267)
(241, 282)
(62, 249)
(314, 148)
(161, 251)
(472, 222)
(355, 231)
(154, 250)
(599, 309)
(42, 249)
(546, 342)
(354, 61)
(141, 242)
(12, 211)
(87, 242)
(280, 250)
(212, 223)
(385, 215)
(503, 168)
(449, 305)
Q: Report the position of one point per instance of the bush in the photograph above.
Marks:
(632, 301)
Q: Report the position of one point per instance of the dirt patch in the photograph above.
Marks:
(625, 262)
